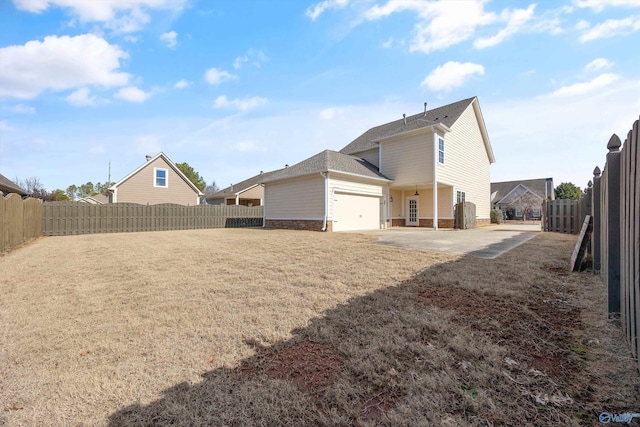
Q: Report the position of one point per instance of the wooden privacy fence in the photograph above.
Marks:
(614, 201)
(68, 218)
(561, 216)
(465, 215)
(20, 220)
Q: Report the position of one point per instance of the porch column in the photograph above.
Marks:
(237, 199)
(435, 180)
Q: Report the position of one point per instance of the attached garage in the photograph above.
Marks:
(355, 212)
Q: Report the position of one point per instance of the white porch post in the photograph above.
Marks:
(237, 199)
(435, 180)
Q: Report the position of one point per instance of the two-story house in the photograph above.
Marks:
(409, 172)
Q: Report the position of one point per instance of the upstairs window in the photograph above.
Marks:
(460, 196)
(441, 151)
(160, 178)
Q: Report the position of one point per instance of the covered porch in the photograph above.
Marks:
(418, 205)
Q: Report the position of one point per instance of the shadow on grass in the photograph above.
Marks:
(426, 352)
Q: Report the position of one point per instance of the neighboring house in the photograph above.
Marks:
(7, 186)
(247, 193)
(156, 181)
(409, 172)
(521, 199)
(97, 199)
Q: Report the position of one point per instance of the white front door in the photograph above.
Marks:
(412, 212)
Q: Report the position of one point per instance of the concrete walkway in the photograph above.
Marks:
(483, 242)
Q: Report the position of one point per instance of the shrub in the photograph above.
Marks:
(496, 216)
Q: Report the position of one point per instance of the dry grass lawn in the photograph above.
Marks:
(264, 327)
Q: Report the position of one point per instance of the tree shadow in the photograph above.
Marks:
(425, 352)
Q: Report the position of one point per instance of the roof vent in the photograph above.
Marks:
(148, 157)
(286, 166)
(261, 172)
(404, 117)
(425, 109)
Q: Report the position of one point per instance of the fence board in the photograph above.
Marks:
(68, 218)
(20, 220)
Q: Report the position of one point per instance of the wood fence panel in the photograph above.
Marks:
(20, 220)
(561, 216)
(67, 218)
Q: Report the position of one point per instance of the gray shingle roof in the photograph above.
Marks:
(241, 186)
(329, 160)
(537, 186)
(7, 186)
(447, 115)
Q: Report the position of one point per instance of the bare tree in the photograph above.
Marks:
(526, 203)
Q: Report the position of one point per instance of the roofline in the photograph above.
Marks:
(146, 163)
(328, 171)
(440, 126)
(483, 129)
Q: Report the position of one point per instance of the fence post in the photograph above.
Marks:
(612, 245)
(595, 208)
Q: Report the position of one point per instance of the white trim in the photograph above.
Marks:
(166, 177)
(435, 180)
(432, 128)
(357, 192)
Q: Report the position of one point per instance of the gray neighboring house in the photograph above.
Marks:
(249, 192)
(520, 199)
(7, 186)
(97, 199)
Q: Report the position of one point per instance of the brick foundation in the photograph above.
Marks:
(424, 222)
(397, 222)
(483, 222)
(298, 224)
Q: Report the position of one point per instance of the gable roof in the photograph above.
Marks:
(242, 186)
(499, 190)
(96, 199)
(329, 161)
(8, 186)
(518, 192)
(151, 160)
(446, 115)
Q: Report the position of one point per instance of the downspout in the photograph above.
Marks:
(264, 206)
(325, 175)
(435, 180)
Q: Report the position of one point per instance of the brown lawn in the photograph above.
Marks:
(260, 327)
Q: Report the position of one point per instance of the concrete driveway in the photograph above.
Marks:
(483, 242)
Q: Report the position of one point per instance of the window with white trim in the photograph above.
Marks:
(160, 177)
(460, 197)
(441, 151)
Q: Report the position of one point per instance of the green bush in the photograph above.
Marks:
(496, 216)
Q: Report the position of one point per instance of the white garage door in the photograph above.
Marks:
(355, 212)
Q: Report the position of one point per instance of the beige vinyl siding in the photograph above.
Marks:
(355, 186)
(425, 203)
(371, 156)
(300, 198)
(397, 210)
(254, 193)
(466, 162)
(408, 159)
(139, 188)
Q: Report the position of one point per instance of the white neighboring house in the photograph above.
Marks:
(409, 172)
(156, 181)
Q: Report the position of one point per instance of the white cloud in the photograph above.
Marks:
(132, 94)
(442, 24)
(4, 126)
(451, 75)
(255, 57)
(170, 39)
(582, 25)
(584, 88)
(81, 98)
(331, 113)
(244, 104)
(599, 5)
(20, 109)
(388, 43)
(59, 63)
(611, 28)
(148, 145)
(247, 147)
(313, 12)
(122, 16)
(515, 21)
(598, 64)
(215, 76)
(182, 84)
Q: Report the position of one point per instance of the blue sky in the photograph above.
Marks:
(235, 87)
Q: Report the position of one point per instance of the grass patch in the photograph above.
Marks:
(237, 327)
